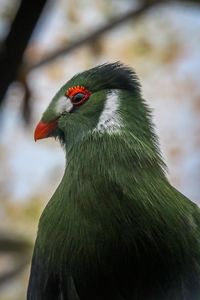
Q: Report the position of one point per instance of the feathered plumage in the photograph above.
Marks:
(115, 229)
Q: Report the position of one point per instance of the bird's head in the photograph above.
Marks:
(104, 98)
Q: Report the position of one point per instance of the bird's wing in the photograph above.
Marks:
(42, 285)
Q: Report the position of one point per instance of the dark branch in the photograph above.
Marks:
(20, 250)
(20, 266)
(16, 42)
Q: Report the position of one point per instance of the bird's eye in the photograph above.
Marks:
(77, 98)
(78, 95)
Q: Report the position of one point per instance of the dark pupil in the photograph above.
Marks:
(78, 97)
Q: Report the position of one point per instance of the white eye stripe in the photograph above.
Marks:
(63, 104)
(109, 119)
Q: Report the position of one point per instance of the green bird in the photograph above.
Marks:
(115, 229)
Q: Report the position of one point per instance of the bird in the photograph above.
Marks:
(115, 228)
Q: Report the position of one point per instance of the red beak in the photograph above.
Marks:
(43, 130)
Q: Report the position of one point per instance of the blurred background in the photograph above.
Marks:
(42, 44)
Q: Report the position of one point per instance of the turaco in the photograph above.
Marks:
(115, 229)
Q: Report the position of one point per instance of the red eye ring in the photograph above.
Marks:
(78, 95)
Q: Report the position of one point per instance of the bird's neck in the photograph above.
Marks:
(103, 172)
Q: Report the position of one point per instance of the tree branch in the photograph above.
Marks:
(20, 250)
(13, 48)
(91, 37)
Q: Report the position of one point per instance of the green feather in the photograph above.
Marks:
(115, 228)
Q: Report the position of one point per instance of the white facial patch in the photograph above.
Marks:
(109, 119)
(63, 104)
